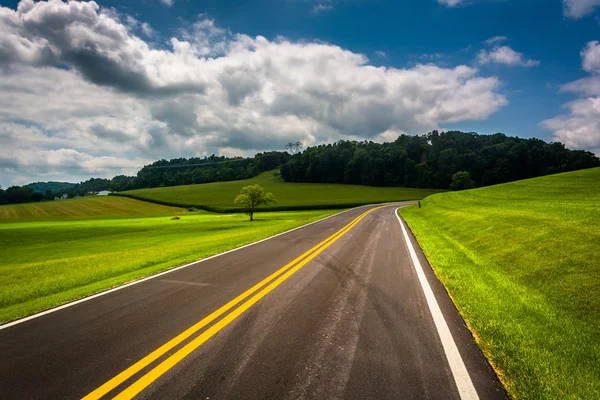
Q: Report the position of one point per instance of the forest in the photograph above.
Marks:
(422, 161)
(430, 161)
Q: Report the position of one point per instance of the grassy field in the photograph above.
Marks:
(84, 208)
(522, 263)
(47, 263)
(219, 196)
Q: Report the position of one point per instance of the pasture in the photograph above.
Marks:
(219, 196)
(48, 263)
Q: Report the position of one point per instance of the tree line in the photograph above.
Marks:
(430, 160)
(424, 161)
(161, 173)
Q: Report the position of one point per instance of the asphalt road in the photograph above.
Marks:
(349, 320)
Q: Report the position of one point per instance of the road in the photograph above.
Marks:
(335, 309)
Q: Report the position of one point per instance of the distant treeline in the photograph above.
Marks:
(425, 161)
(429, 161)
(178, 171)
(40, 191)
(185, 171)
(55, 187)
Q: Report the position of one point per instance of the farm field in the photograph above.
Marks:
(83, 208)
(48, 263)
(219, 196)
(522, 263)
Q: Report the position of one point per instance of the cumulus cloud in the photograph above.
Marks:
(167, 3)
(591, 57)
(100, 47)
(213, 91)
(505, 55)
(579, 8)
(579, 126)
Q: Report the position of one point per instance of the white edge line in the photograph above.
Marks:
(463, 381)
(74, 303)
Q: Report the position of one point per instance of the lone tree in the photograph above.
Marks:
(253, 196)
(461, 181)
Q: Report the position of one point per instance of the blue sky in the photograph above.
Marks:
(161, 79)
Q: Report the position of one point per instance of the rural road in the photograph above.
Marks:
(350, 319)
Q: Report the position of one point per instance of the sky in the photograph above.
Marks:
(98, 89)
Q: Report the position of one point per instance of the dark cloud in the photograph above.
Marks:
(98, 46)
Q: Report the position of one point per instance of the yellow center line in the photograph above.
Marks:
(170, 362)
(145, 380)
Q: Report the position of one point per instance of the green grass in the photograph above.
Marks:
(83, 208)
(290, 196)
(47, 263)
(522, 263)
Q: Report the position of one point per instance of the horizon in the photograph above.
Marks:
(102, 89)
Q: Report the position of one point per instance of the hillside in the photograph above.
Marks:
(521, 262)
(220, 196)
(83, 208)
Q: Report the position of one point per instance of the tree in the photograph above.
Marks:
(461, 181)
(37, 196)
(253, 196)
(17, 194)
(294, 147)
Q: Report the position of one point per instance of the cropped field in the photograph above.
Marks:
(522, 263)
(47, 263)
(219, 196)
(83, 208)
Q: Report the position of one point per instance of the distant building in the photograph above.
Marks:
(104, 193)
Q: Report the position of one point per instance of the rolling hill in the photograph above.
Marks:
(83, 208)
(290, 196)
(522, 262)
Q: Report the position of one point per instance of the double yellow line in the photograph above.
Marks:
(271, 282)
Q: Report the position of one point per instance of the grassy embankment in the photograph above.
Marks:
(522, 262)
(83, 246)
(290, 196)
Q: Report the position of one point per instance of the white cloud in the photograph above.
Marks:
(321, 8)
(381, 54)
(579, 8)
(212, 92)
(451, 3)
(579, 127)
(505, 55)
(495, 40)
(589, 86)
(147, 29)
(591, 57)
(167, 3)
